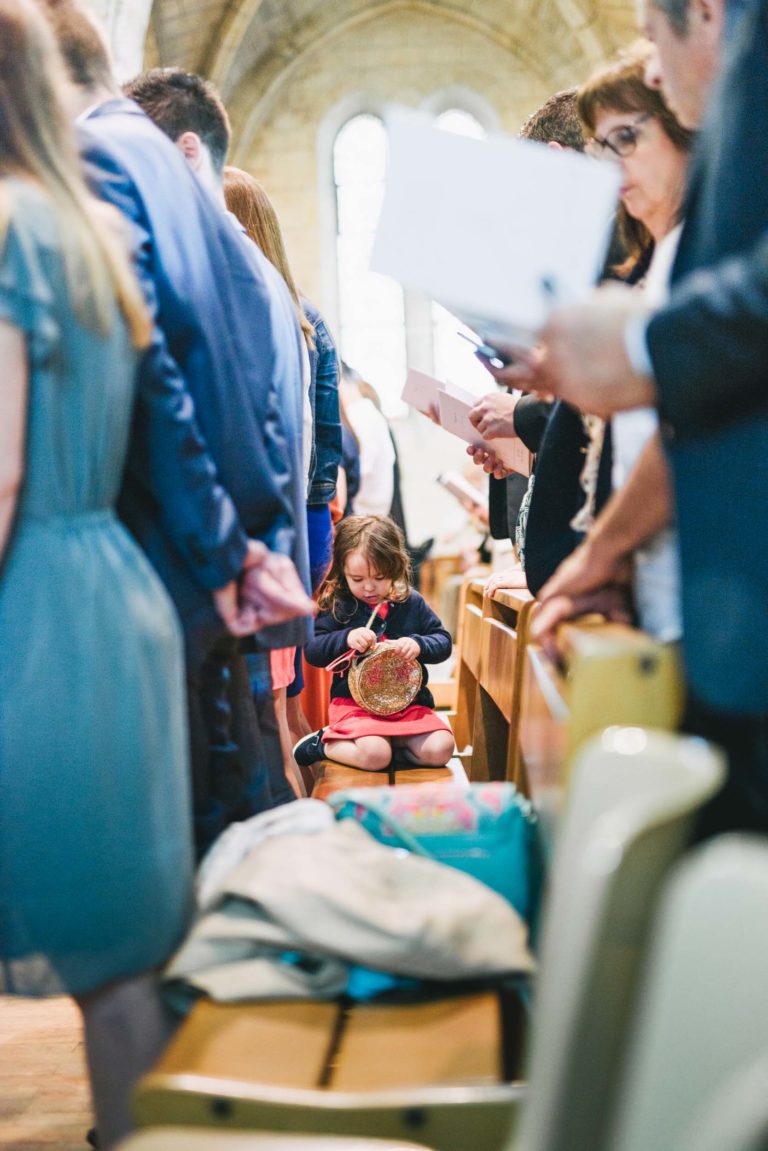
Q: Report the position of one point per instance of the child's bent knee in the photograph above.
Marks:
(376, 752)
(438, 749)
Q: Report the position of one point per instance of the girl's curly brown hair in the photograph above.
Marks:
(382, 543)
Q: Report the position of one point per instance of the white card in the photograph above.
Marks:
(496, 230)
(420, 390)
(454, 417)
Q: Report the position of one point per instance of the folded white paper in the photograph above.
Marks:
(420, 391)
(454, 417)
(454, 403)
(463, 490)
(496, 230)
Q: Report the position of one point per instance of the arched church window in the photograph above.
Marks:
(381, 329)
(371, 306)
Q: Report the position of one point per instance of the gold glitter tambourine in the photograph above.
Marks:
(383, 682)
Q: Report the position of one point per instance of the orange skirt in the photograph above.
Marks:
(282, 666)
(347, 720)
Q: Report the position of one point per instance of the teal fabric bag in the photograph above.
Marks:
(487, 830)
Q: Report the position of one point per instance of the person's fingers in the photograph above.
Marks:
(256, 553)
(246, 622)
(564, 581)
(478, 455)
(514, 375)
(225, 600)
(548, 618)
(275, 587)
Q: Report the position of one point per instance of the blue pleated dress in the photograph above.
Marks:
(95, 832)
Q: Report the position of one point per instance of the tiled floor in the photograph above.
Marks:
(44, 1103)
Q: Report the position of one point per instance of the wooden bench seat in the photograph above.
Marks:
(398, 1070)
(334, 776)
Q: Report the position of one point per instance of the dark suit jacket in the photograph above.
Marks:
(558, 495)
(505, 496)
(709, 349)
(223, 373)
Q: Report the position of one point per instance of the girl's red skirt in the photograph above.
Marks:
(347, 720)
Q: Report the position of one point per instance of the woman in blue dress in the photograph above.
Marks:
(95, 834)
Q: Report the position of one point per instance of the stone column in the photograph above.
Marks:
(125, 23)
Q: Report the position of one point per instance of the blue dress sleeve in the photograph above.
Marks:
(26, 251)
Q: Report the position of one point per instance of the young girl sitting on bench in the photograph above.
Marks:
(370, 569)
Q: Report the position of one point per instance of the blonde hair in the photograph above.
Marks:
(381, 541)
(37, 143)
(247, 199)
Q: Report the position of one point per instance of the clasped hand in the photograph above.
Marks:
(269, 592)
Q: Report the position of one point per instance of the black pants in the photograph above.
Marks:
(742, 804)
(230, 770)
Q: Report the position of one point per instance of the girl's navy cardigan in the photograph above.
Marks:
(414, 618)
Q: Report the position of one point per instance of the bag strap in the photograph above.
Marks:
(346, 659)
(341, 661)
(369, 803)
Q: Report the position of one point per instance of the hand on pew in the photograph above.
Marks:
(592, 567)
(613, 602)
(593, 579)
(512, 577)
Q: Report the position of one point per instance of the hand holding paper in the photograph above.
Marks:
(454, 417)
(454, 405)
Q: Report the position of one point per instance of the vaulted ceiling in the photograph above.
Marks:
(249, 46)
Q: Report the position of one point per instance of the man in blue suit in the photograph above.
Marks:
(703, 360)
(226, 353)
(190, 111)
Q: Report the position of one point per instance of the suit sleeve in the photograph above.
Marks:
(168, 455)
(530, 420)
(709, 345)
(433, 639)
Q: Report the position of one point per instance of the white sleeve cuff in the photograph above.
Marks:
(636, 344)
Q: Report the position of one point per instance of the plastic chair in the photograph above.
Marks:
(697, 1076)
(632, 799)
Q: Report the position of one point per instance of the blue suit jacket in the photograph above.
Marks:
(216, 445)
(709, 349)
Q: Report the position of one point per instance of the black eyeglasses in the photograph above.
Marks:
(621, 140)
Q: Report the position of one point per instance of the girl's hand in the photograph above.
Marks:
(361, 639)
(406, 647)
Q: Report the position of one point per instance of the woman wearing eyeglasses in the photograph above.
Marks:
(631, 125)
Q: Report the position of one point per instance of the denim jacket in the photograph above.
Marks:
(324, 398)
